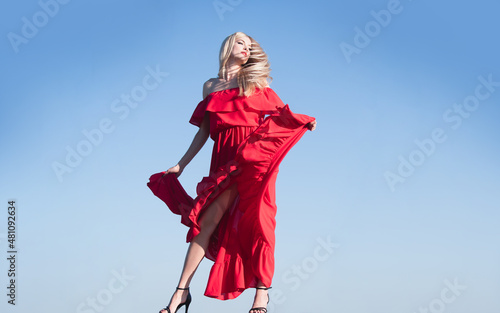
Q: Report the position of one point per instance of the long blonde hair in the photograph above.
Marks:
(254, 73)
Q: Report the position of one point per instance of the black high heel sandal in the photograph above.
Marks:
(186, 303)
(256, 310)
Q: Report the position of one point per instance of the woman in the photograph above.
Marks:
(232, 219)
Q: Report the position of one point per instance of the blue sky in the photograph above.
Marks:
(391, 205)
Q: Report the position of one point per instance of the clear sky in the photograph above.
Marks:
(390, 206)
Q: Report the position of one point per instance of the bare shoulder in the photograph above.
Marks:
(217, 84)
(208, 86)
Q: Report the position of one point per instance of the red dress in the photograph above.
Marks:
(251, 136)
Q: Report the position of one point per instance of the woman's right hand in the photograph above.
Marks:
(176, 169)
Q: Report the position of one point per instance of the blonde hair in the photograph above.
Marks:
(254, 73)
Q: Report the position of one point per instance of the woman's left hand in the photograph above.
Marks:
(312, 125)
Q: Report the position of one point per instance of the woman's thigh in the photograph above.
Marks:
(217, 208)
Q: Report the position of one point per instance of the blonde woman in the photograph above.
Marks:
(232, 219)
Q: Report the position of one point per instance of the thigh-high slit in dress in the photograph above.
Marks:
(251, 137)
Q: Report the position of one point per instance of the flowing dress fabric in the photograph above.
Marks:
(251, 137)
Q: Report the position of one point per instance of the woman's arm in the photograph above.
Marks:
(198, 141)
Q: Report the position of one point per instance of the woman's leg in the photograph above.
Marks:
(261, 298)
(199, 244)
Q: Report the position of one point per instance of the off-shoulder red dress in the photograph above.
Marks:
(251, 137)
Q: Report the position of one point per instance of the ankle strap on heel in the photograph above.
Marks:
(263, 288)
(179, 288)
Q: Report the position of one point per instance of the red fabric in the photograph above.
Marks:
(248, 148)
(228, 109)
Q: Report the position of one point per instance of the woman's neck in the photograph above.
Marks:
(232, 71)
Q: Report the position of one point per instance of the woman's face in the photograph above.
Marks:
(241, 49)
